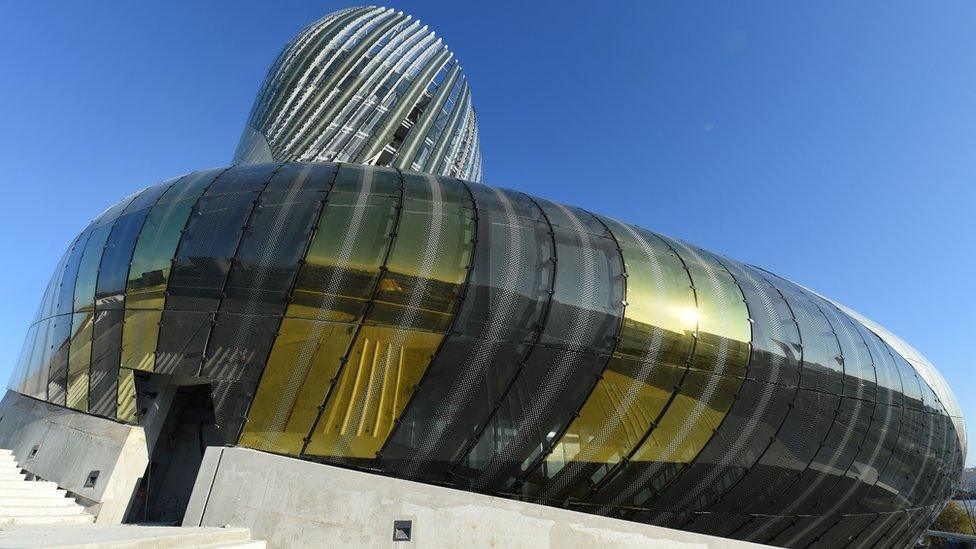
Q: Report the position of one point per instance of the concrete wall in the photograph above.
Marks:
(295, 503)
(71, 445)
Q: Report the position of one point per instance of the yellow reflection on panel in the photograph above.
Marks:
(678, 437)
(127, 396)
(655, 343)
(720, 357)
(304, 358)
(616, 416)
(141, 330)
(79, 361)
(382, 369)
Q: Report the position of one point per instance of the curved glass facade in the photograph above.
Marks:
(444, 331)
(369, 85)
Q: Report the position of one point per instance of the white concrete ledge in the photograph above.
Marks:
(294, 503)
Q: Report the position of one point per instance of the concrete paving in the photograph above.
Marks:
(125, 536)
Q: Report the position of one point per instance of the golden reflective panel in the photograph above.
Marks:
(414, 301)
(427, 266)
(139, 336)
(720, 355)
(126, 403)
(655, 343)
(615, 417)
(79, 359)
(691, 420)
(304, 359)
(153, 254)
(344, 259)
(384, 365)
(341, 270)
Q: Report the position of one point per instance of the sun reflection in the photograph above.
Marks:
(689, 316)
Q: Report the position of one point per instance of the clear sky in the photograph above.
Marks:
(832, 143)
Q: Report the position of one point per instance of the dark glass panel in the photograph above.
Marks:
(823, 368)
(79, 357)
(496, 324)
(239, 345)
(260, 281)
(759, 408)
(58, 371)
(353, 178)
(230, 400)
(244, 179)
(588, 297)
(614, 421)
(840, 531)
(732, 452)
(139, 336)
(795, 445)
(343, 262)
(79, 352)
(703, 397)
(152, 261)
(114, 268)
(66, 289)
(303, 177)
(106, 342)
(182, 340)
(561, 371)
(269, 254)
(206, 250)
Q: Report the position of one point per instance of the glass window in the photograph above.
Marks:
(573, 350)
(82, 324)
(106, 342)
(654, 346)
(303, 361)
(149, 272)
(414, 302)
(823, 368)
(260, 281)
(341, 269)
(495, 326)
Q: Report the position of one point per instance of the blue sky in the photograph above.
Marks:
(832, 143)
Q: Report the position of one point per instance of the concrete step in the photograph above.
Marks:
(6, 512)
(5, 452)
(38, 500)
(36, 484)
(126, 536)
(47, 520)
(7, 458)
(252, 544)
(10, 475)
(31, 492)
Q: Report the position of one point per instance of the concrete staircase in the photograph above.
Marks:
(126, 536)
(25, 502)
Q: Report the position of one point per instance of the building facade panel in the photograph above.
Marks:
(444, 331)
(367, 85)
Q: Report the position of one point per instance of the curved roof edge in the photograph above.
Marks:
(923, 366)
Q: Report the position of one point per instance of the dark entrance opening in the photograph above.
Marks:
(178, 417)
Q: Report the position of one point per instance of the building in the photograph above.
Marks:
(439, 330)
(368, 85)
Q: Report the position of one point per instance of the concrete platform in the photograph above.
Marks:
(125, 536)
(295, 503)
